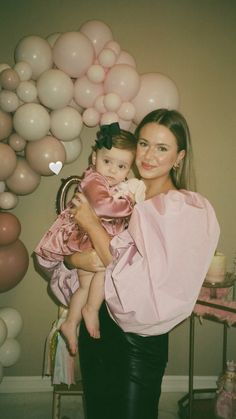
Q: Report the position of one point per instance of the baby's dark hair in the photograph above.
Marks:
(112, 136)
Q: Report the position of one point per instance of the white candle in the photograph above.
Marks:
(217, 269)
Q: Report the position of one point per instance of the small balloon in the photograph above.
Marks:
(99, 104)
(2, 186)
(9, 352)
(13, 321)
(86, 92)
(72, 149)
(3, 331)
(91, 117)
(52, 38)
(14, 262)
(9, 79)
(39, 154)
(66, 123)
(9, 101)
(114, 46)
(23, 70)
(24, 180)
(10, 228)
(8, 161)
(123, 80)
(96, 73)
(98, 33)
(126, 58)
(16, 142)
(107, 58)
(31, 121)
(8, 200)
(37, 52)
(27, 92)
(3, 66)
(112, 102)
(108, 118)
(126, 111)
(6, 125)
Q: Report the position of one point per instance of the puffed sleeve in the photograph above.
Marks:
(97, 191)
(160, 262)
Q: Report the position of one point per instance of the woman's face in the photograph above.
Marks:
(157, 151)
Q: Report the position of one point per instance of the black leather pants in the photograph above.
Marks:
(122, 372)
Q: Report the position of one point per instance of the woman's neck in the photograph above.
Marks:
(156, 186)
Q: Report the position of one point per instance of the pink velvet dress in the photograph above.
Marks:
(160, 262)
(65, 237)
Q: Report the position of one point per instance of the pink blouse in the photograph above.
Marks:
(160, 262)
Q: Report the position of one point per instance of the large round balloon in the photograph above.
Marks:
(7, 161)
(72, 149)
(123, 80)
(10, 228)
(73, 53)
(13, 321)
(98, 33)
(14, 262)
(5, 125)
(86, 92)
(156, 91)
(55, 89)
(9, 352)
(31, 121)
(35, 51)
(41, 153)
(66, 123)
(24, 180)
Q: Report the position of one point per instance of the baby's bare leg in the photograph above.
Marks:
(78, 300)
(91, 309)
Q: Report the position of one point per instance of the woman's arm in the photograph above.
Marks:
(87, 219)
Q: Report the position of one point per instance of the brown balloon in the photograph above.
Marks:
(6, 125)
(9, 79)
(23, 180)
(10, 228)
(14, 262)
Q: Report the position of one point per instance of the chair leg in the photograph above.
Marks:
(56, 406)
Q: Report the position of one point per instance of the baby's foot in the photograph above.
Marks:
(69, 331)
(91, 319)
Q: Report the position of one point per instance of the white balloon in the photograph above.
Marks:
(3, 331)
(13, 320)
(52, 38)
(31, 121)
(26, 91)
(24, 70)
(8, 200)
(9, 352)
(9, 101)
(66, 123)
(55, 89)
(73, 149)
(2, 186)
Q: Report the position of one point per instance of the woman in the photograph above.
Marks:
(155, 272)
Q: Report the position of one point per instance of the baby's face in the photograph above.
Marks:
(114, 164)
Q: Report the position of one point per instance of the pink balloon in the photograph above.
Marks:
(73, 53)
(14, 262)
(108, 118)
(126, 58)
(96, 73)
(125, 124)
(123, 80)
(107, 58)
(10, 228)
(91, 117)
(7, 161)
(86, 92)
(126, 111)
(41, 153)
(98, 33)
(156, 91)
(112, 102)
(35, 51)
(99, 104)
(114, 46)
(9, 79)
(6, 125)
(23, 180)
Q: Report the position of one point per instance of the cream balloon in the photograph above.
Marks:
(156, 91)
(96, 73)
(24, 180)
(114, 46)
(91, 117)
(9, 79)
(41, 153)
(98, 33)
(55, 89)
(86, 92)
(3, 331)
(6, 125)
(7, 161)
(107, 57)
(73, 53)
(72, 149)
(13, 320)
(66, 123)
(99, 104)
(31, 121)
(126, 111)
(27, 92)
(3, 66)
(8, 200)
(10, 352)
(2, 186)
(37, 52)
(23, 70)
(9, 101)
(16, 142)
(126, 58)
(52, 38)
(123, 80)
(112, 102)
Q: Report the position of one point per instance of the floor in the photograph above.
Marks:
(39, 406)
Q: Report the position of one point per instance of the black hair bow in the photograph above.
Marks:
(104, 136)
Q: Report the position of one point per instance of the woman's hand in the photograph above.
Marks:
(88, 261)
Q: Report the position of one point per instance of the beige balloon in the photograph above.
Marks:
(8, 200)
(9, 79)
(41, 153)
(6, 125)
(24, 180)
(7, 161)
(73, 149)
(31, 121)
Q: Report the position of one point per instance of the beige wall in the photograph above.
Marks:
(192, 42)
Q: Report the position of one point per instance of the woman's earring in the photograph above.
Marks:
(176, 166)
